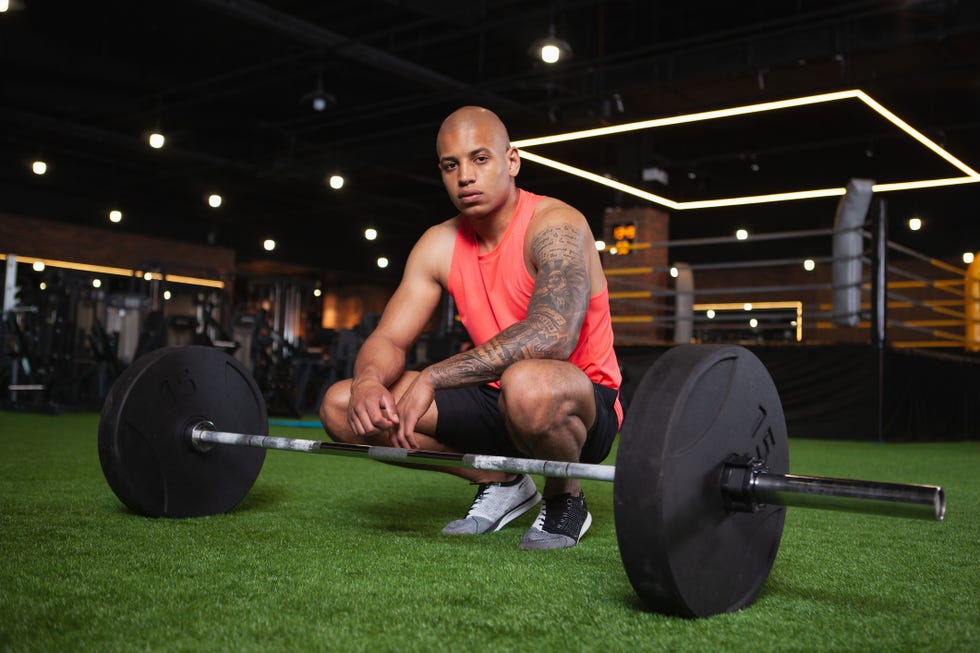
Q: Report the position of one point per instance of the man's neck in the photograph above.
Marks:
(490, 228)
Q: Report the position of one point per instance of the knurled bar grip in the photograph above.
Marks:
(202, 435)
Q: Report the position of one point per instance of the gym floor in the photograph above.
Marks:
(344, 554)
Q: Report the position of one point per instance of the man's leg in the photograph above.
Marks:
(500, 498)
(549, 407)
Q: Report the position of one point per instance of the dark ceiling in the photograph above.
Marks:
(229, 83)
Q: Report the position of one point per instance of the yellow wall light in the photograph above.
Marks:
(970, 175)
(121, 272)
(761, 306)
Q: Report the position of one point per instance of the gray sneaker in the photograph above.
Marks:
(496, 505)
(561, 523)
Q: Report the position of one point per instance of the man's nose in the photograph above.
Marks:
(466, 174)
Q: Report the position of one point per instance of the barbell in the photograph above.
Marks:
(699, 488)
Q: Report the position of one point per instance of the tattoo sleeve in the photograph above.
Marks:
(555, 314)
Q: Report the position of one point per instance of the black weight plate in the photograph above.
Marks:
(683, 552)
(144, 442)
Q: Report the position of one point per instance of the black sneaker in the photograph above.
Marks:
(561, 523)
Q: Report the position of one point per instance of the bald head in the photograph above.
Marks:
(474, 120)
(477, 163)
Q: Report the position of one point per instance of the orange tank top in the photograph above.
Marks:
(492, 292)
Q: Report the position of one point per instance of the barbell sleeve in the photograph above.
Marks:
(894, 499)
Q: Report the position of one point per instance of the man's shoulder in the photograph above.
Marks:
(442, 231)
(550, 210)
(434, 249)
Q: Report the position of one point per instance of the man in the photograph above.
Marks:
(542, 379)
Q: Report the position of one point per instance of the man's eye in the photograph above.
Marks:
(446, 167)
(481, 159)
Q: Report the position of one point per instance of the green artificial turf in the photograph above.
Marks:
(345, 554)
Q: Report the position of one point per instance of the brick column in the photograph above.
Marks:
(634, 284)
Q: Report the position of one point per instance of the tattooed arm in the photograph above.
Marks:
(554, 314)
(561, 253)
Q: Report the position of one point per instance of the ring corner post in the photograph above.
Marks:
(879, 307)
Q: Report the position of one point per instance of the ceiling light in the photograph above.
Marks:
(96, 283)
(809, 265)
(741, 234)
(336, 182)
(42, 286)
(166, 294)
(600, 245)
(4, 6)
(382, 262)
(147, 276)
(156, 140)
(710, 313)
(115, 215)
(970, 176)
(673, 272)
(753, 323)
(551, 49)
(38, 266)
(968, 257)
(39, 167)
(915, 224)
(747, 306)
(550, 53)
(214, 200)
(268, 244)
(319, 99)
(370, 234)
(317, 292)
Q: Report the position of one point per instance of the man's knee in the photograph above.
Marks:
(333, 410)
(538, 396)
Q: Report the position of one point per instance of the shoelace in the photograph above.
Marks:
(566, 501)
(542, 516)
(562, 521)
(480, 496)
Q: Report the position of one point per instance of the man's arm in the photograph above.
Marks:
(551, 328)
(381, 359)
(555, 312)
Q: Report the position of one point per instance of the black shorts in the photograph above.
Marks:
(470, 422)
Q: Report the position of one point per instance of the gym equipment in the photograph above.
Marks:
(700, 482)
(142, 446)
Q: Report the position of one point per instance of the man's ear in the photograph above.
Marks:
(513, 161)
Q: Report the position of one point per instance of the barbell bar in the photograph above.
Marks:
(745, 484)
(700, 483)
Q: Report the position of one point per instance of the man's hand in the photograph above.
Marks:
(411, 407)
(371, 409)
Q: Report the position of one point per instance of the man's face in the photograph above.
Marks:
(477, 165)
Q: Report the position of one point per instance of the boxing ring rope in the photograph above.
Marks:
(901, 301)
(915, 315)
